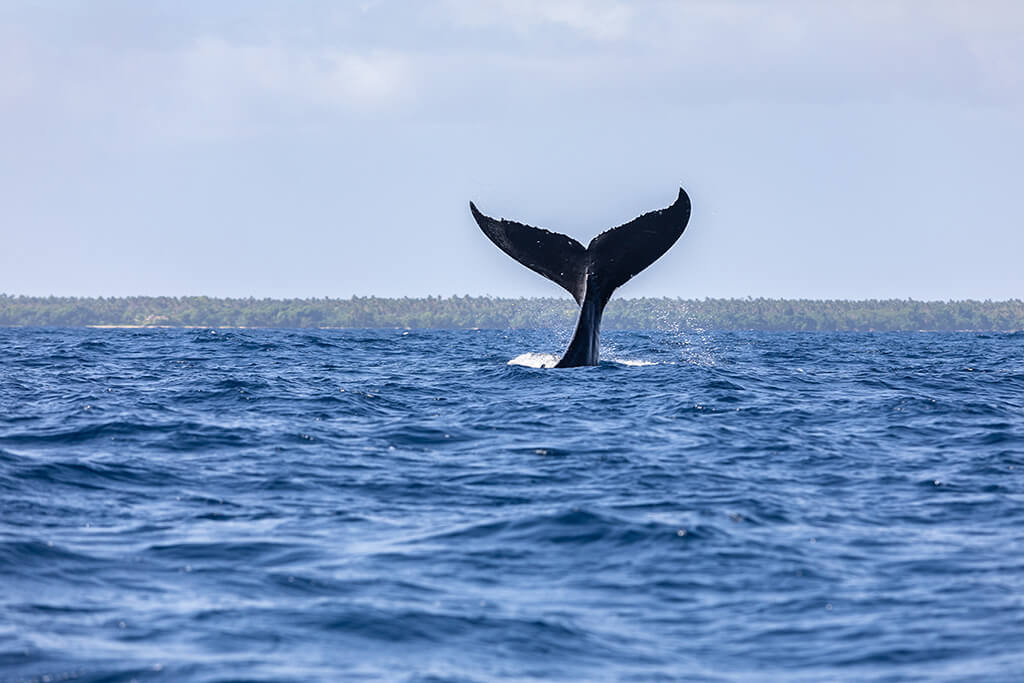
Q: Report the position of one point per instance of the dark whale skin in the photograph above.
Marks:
(592, 273)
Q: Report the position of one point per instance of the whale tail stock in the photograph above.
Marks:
(593, 272)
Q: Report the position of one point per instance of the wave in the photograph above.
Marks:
(290, 505)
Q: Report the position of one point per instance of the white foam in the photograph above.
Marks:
(549, 360)
(535, 360)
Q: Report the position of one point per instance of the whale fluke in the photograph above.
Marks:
(590, 274)
(557, 257)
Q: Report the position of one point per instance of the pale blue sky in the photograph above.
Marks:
(831, 149)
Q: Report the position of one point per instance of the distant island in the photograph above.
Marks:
(468, 312)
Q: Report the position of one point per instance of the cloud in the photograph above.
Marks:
(941, 50)
(214, 67)
(224, 71)
(211, 85)
(602, 20)
(787, 51)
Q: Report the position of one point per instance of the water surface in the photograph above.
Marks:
(213, 505)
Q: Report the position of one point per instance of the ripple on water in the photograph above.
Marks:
(414, 505)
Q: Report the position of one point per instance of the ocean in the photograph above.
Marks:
(304, 505)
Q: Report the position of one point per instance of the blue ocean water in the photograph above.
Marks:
(212, 505)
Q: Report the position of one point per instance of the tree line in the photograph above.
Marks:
(465, 312)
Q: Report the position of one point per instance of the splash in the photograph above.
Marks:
(549, 360)
(688, 335)
(535, 360)
(633, 363)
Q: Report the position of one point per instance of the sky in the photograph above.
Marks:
(842, 149)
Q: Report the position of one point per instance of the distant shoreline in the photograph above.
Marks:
(466, 312)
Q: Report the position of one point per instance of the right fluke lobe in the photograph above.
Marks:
(620, 253)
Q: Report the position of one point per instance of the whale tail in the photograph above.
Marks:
(593, 272)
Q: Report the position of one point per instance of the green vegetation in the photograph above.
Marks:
(469, 312)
